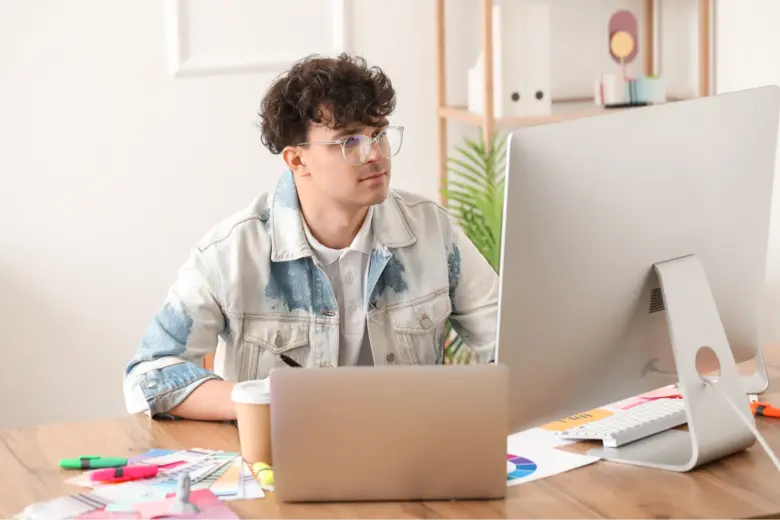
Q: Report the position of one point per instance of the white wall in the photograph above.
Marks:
(94, 128)
(748, 55)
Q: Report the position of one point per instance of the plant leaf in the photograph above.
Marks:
(475, 196)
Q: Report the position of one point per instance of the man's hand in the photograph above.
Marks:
(209, 402)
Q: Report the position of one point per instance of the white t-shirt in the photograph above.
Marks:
(347, 270)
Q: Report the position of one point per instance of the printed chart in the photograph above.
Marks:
(518, 467)
(540, 458)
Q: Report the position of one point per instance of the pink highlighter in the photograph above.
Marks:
(124, 473)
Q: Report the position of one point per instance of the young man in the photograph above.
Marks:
(331, 269)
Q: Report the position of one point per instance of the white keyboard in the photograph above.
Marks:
(633, 424)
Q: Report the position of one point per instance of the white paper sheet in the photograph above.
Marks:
(533, 455)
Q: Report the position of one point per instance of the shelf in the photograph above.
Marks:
(561, 111)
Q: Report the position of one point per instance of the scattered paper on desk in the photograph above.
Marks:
(539, 438)
(577, 420)
(167, 460)
(237, 483)
(533, 455)
(178, 457)
(71, 506)
(154, 452)
(198, 470)
(667, 392)
(209, 504)
(130, 506)
(122, 497)
(209, 480)
(207, 469)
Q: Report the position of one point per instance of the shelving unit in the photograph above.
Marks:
(563, 109)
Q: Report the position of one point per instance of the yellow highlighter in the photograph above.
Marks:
(264, 473)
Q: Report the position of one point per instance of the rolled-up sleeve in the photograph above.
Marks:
(167, 366)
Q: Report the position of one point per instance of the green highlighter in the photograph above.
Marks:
(92, 462)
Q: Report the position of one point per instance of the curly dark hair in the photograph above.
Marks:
(345, 90)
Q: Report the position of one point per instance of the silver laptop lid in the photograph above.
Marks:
(389, 433)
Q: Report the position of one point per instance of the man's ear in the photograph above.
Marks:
(294, 160)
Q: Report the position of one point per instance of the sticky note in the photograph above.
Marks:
(210, 507)
(577, 420)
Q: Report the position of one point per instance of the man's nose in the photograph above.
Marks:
(373, 152)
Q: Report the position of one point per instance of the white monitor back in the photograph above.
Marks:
(591, 204)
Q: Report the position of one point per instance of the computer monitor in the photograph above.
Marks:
(630, 240)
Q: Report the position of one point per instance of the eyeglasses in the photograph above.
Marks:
(357, 148)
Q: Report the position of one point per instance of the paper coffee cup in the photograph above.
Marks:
(253, 414)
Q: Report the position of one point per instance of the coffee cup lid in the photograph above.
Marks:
(257, 391)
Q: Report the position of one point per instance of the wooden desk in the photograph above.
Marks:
(744, 485)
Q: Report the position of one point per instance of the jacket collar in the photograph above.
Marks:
(288, 238)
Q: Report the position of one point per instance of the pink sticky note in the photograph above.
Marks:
(667, 391)
(103, 514)
(632, 402)
(209, 504)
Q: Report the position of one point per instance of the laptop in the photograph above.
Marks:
(431, 432)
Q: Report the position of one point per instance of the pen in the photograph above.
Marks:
(124, 474)
(290, 361)
(92, 462)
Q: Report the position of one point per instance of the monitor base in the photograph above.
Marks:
(713, 430)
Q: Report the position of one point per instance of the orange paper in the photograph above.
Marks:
(577, 420)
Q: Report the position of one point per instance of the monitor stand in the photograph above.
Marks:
(758, 381)
(714, 430)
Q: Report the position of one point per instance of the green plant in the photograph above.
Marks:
(475, 199)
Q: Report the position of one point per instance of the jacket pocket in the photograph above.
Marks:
(265, 338)
(419, 327)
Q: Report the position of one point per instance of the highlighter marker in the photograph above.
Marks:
(124, 474)
(93, 462)
(762, 409)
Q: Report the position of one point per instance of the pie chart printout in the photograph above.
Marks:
(518, 467)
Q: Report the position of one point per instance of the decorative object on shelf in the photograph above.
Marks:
(521, 62)
(475, 193)
(650, 88)
(612, 92)
(623, 39)
(621, 90)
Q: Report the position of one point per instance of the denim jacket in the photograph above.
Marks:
(252, 289)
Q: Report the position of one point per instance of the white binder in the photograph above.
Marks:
(521, 61)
